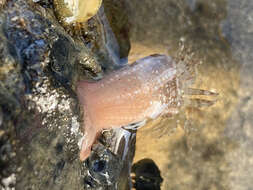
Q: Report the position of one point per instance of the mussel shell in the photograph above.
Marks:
(74, 11)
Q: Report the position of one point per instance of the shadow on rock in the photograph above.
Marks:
(147, 175)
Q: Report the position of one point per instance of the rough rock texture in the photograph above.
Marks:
(40, 118)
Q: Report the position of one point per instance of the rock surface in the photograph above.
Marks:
(40, 117)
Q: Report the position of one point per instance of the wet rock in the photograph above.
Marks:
(106, 35)
(103, 172)
(40, 116)
(119, 21)
(116, 146)
(102, 165)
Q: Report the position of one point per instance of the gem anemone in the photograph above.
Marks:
(150, 87)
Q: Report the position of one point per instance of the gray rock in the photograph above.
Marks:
(40, 118)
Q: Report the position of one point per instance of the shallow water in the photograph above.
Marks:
(213, 149)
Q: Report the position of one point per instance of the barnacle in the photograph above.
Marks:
(71, 11)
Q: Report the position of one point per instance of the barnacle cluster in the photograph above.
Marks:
(72, 11)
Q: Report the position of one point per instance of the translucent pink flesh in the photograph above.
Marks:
(129, 95)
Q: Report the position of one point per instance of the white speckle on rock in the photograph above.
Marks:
(9, 182)
(75, 125)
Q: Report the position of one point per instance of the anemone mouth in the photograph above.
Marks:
(193, 100)
(186, 75)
